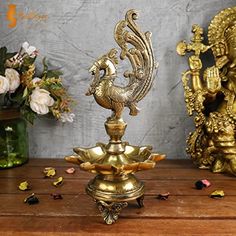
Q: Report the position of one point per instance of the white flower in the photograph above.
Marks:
(67, 116)
(14, 79)
(30, 50)
(35, 80)
(4, 85)
(40, 101)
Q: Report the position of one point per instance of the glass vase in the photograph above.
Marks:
(13, 139)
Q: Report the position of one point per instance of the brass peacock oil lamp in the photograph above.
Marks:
(210, 95)
(116, 162)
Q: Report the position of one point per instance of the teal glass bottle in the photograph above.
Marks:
(13, 139)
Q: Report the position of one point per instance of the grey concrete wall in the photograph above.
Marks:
(76, 32)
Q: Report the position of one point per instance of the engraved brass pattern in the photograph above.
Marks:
(210, 95)
(116, 162)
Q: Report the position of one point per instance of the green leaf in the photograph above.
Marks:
(27, 62)
(45, 66)
(28, 114)
(10, 55)
(3, 57)
(54, 74)
(2, 100)
(17, 96)
(50, 73)
(3, 52)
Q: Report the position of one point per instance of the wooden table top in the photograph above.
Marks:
(187, 211)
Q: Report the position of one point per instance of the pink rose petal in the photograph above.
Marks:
(206, 182)
(70, 170)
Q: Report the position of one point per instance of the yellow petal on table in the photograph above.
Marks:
(58, 182)
(24, 186)
(217, 194)
(49, 171)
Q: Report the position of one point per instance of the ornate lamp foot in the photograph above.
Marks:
(110, 211)
(140, 201)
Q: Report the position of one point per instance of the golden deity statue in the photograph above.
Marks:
(116, 162)
(210, 94)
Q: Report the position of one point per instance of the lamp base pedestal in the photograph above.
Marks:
(114, 165)
(112, 193)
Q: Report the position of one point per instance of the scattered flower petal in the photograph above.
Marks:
(56, 196)
(199, 185)
(163, 196)
(206, 182)
(58, 182)
(24, 186)
(217, 194)
(70, 170)
(49, 171)
(32, 199)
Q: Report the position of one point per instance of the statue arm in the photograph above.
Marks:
(195, 65)
(198, 89)
(211, 81)
(196, 81)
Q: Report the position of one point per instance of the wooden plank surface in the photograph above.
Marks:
(124, 227)
(77, 205)
(152, 187)
(35, 172)
(187, 211)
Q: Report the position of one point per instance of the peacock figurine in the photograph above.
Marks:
(140, 79)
